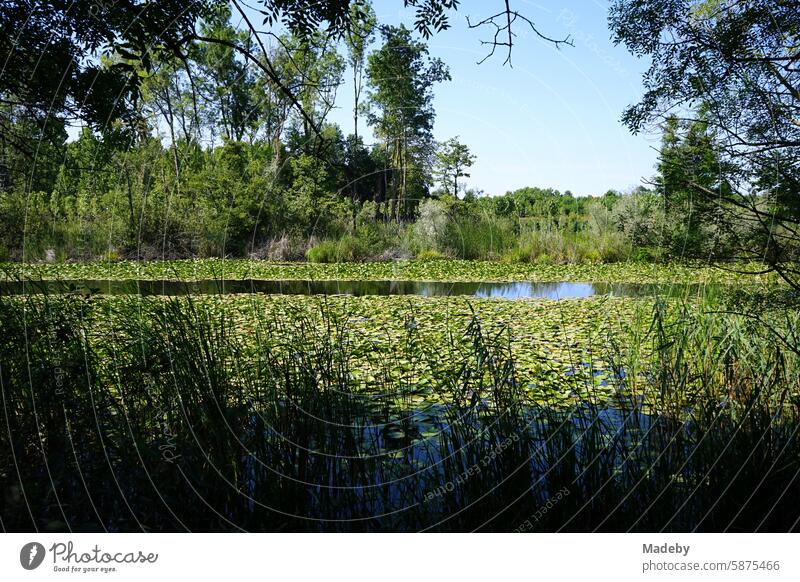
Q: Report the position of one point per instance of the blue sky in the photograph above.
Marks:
(550, 121)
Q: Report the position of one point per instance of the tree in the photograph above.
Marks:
(52, 48)
(689, 170)
(227, 78)
(736, 65)
(640, 216)
(452, 158)
(401, 77)
(315, 69)
(358, 38)
(154, 82)
(52, 65)
(85, 61)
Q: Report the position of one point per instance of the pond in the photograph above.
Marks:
(481, 289)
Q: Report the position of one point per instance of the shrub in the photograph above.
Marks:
(641, 218)
(429, 255)
(284, 248)
(347, 249)
(430, 228)
(591, 256)
(552, 245)
(324, 252)
(645, 255)
(479, 237)
(111, 256)
(558, 246)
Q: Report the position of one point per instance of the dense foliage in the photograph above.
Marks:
(730, 71)
(222, 148)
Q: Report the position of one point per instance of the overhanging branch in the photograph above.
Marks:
(503, 24)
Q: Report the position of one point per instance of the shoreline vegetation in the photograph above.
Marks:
(437, 270)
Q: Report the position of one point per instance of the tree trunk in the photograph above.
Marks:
(356, 91)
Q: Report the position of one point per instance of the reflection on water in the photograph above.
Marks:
(515, 290)
(526, 289)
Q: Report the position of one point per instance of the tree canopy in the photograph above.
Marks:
(735, 68)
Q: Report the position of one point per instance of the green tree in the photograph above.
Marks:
(358, 38)
(226, 76)
(689, 169)
(313, 204)
(735, 64)
(452, 159)
(316, 70)
(401, 77)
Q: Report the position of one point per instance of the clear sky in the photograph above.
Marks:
(551, 120)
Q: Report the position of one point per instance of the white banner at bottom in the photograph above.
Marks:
(393, 557)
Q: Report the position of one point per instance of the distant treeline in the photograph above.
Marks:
(278, 202)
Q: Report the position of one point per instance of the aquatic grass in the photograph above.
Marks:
(207, 414)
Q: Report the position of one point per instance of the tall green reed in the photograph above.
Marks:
(170, 415)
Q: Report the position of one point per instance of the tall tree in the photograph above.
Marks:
(737, 63)
(54, 73)
(358, 38)
(315, 70)
(401, 76)
(228, 79)
(689, 169)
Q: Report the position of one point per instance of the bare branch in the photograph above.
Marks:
(504, 35)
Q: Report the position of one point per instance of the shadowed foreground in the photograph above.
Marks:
(158, 415)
